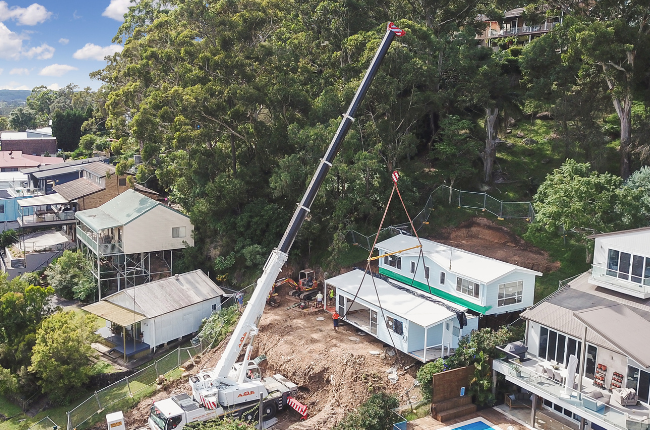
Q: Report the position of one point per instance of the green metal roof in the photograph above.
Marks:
(117, 212)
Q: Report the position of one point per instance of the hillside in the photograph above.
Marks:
(14, 95)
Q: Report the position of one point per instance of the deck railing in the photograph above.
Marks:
(637, 285)
(112, 247)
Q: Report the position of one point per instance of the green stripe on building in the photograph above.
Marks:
(436, 292)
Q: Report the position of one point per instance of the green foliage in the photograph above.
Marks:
(225, 424)
(22, 118)
(457, 149)
(8, 238)
(374, 414)
(70, 276)
(640, 180)
(66, 127)
(4, 123)
(219, 324)
(575, 197)
(31, 278)
(425, 376)
(480, 385)
(8, 382)
(61, 355)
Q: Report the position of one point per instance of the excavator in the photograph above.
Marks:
(237, 388)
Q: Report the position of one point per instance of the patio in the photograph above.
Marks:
(524, 375)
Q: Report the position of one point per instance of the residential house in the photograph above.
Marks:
(44, 177)
(34, 142)
(131, 239)
(600, 318)
(514, 26)
(13, 161)
(482, 284)
(416, 323)
(139, 319)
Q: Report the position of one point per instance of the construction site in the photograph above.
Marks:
(336, 371)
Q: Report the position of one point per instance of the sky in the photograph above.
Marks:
(56, 42)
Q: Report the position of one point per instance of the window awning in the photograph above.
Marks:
(622, 327)
(48, 199)
(114, 313)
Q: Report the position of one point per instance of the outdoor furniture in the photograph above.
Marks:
(592, 404)
(601, 396)
(557, 375)
(519, 400)
(517, 349)
(625, 396)
(636, 422)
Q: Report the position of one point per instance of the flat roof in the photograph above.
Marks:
(48, 199)
(621, 326)
(62, 165)
(17, 159)
(99, 169)
(466, 264)
(406, 302)
(22, 135)
(114, 313)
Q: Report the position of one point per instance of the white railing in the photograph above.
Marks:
(633, 284)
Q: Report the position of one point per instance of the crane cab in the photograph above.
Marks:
(307, 280)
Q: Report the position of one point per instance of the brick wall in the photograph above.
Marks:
(31, 146)
(446, 385)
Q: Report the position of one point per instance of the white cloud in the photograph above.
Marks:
(63, 41)
(42, 52)
(75, 16)
(95, 52)
(117, 9)
(11, 46)
(30, 15)
(54, 87)
(56, 70)
(19, 72)
(1, 70)
(14, 86)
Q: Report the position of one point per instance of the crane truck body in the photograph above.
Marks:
(236, 388)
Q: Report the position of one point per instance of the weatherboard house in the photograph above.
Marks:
(424, 304)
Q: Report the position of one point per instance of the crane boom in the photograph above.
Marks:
(247, 325)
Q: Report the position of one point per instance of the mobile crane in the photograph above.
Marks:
(237, 388)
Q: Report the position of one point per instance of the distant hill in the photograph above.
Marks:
(14, 95)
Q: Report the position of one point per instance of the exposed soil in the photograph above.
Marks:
(484, 237)
(336, 371)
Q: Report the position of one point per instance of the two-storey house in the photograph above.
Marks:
(588, 355)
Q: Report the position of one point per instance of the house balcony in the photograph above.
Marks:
(612, 416)
(45, 218)
(524, 30)
(625, 283)
(100, 244)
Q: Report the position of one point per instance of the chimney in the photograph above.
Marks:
(177, 276)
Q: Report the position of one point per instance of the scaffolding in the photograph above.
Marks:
(115, 270)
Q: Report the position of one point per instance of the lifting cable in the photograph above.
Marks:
(459, 314)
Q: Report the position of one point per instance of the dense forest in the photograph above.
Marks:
(231, 104)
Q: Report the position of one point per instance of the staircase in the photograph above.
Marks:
(454, 408)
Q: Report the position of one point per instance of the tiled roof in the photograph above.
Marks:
(99, 169)
(78, 188)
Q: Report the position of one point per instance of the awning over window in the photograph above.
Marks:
(48, 199)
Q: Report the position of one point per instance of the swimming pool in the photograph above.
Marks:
(473, 424)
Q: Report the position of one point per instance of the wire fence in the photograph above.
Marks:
(44, 424)
(126, 392)
(442, 196)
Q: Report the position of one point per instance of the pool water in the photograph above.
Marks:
(477, 425)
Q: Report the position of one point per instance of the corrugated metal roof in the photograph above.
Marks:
(78, 188)
(99, 169)
(167, 295)
(48, 199)
(118, 211)
(615, 323)
(466, 264)
(113, 313)
(615, 233)
(63, 165)
(409, 306)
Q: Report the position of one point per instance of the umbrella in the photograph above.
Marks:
(571, 373)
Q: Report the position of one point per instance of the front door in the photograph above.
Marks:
(341, 305)
(373, 322)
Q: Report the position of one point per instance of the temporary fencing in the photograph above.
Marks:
(126, 392)
(44, 424)
(447, 196)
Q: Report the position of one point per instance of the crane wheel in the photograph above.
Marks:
(270, 409)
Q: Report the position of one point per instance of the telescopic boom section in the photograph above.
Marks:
(253, 312)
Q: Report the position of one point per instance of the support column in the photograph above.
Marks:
(494, 383)
(533, 410)
(425, 343)
(581, 363)
(583, 424)
(124, 341)
(99, 275)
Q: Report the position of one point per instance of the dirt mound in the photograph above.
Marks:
(484, 237)
(335, 371)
